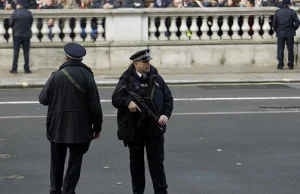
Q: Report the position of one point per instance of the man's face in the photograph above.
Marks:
(177, 2)
(213, 2)
(142, 67)
(249, 4)
(243, 2)
(49, 2)
(3, 1)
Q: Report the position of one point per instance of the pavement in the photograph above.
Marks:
(205, 75)
(221, 139)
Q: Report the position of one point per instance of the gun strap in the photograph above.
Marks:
(152, 94)
(73, 81)
(153, 88)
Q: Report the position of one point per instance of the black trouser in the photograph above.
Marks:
(25, 42)
(280, 50)
(155, 156)
(58, 156)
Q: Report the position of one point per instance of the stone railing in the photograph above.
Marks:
(117, 33)
(60, 26)
(211, 24)
(163, 24)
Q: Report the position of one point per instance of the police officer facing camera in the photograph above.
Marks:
(285, 23)
(138, 131)
(74, 117)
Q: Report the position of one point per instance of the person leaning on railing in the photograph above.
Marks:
(88, 4)
(159, 4)
(129, 4)
(231, 3)
(7, 4)
(176, 4)
(198, 3)
(105, 4)
(48, 4)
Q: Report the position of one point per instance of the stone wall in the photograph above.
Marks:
(246, 39)
(183, 55)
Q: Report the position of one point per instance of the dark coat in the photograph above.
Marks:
(72, 115)
(285, 22)
(21, 21)
(163, 102)
(32, 4)
(165, 3)
(129, 4)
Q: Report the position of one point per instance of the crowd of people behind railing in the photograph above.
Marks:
(109, 4)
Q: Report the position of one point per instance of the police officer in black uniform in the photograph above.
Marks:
(285, 23)
(21, 21)
(74, 117)
(144, 80)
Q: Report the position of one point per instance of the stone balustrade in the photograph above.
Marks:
(212, 24)
(116, 33)
(59, 26)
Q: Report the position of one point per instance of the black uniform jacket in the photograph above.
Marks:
(285, 22)
(72, 115)
(163, 101)
(21, 21)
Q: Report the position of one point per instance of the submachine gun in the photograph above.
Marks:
(145, 110)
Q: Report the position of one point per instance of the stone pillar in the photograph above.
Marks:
(162, 29)
(194, 28)
(225, 28)
(215, 28)
(204, 28)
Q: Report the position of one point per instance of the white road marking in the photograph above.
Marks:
(33, 102)
(174, 114)
(238, 98)
(184, 99)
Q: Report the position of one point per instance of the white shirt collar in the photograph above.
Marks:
(139, 74)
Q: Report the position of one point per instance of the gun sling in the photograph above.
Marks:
(73, 81)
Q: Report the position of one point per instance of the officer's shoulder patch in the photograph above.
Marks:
(54, 72)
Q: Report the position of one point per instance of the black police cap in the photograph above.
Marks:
(286, 2)
(74, 51)
(142, 55)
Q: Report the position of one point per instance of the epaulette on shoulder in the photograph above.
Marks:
(54, 72)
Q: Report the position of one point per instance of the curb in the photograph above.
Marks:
(169, 82)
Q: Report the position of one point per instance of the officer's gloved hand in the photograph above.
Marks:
(163, 119)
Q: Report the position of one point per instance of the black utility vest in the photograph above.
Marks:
(144, 88)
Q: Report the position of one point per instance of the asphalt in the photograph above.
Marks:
(229, 139)
(175, 76)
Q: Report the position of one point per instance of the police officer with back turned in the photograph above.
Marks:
(285, 23)
(21, 21)
(74, 117)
